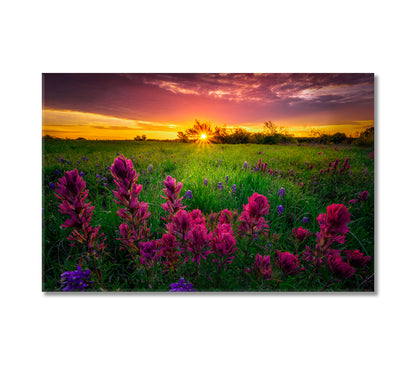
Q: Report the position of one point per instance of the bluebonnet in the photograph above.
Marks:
(76, 280)
(205, 181)
(233, 188)
(81, 173)
(220, 186)
(305, 220)
(57, 172)
(280, 209)
(188, 194)
(181, 286)
(52, 185)
(245, 165)
(150, 167)
(226, 178)
(281, 192)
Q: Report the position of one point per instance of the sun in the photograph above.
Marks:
(203, 136)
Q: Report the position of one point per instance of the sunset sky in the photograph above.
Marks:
(121, 106)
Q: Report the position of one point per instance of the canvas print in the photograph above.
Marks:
(208, 182)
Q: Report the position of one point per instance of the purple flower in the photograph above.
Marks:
(245, 165)
(52, 185)
(150, 167)
(188, 194)
(181, 286)
(291, 171)
(98, 176)
(280, 209)
(281, 192)
(205, 181)
(81, 174)
(220, 186)
(76, 280)
(105, 184)
(226, 178)
(305, 220)
(233, 187)
(57, 172)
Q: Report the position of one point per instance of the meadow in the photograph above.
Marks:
(299, 182)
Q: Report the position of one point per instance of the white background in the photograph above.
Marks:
(206, 333)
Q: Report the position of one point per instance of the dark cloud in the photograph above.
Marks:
(227, 97)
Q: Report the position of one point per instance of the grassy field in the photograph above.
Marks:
(296, 169)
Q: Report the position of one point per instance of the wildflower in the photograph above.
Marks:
(205, 181)
(353, 201)
(188, 194)
(226, 178)
(245, 165)
(57, 172)
(198, 241)
(81, 174)
(134, 212)
(301, 184)
(233, 188)
(76, 280)
(223, 244)
(169, 250)
(339, 268)
(71, 190)
(98, 176)
(262, 267)
(181, 286)
(356, 258)
(288, 263)
(180, 224)
(52, 185)
(280, 209)
(150, 167)
(291, 171)
(281, 192)
(364, 195)
(220, 186)
(321, 171)
(173, 201)
(305, 220)
(104, 178)
(252, 220)
(335, 220)
(300, 234)
(319, 153)
(105, 184)
(149, 252)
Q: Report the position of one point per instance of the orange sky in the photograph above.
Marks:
(121, 106)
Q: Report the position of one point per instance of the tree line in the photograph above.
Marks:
(271, 134)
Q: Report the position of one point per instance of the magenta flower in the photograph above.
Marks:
(180, 224)
(169, 250)
(149, 252)
(262, 267)
(335, 220)
(353, 201)
(225, 216)
(339, 268)
(364, 195)
(288, 263)
(173, 201)
(251, 218)
(71, 190)
(223, 244)
(196, 217)
(135, 213)
(198, 242)
(300, 234)
(357, 259)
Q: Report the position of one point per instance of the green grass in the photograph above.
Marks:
(191, 164)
